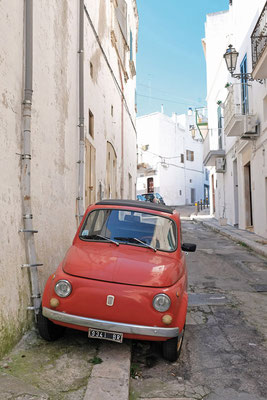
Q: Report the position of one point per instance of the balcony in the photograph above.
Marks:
(202, 121)
(239, 119)
(259, 46)
(213, 148)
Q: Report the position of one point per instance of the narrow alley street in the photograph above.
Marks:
(224, 353)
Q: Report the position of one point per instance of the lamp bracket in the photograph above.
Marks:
(247, 77)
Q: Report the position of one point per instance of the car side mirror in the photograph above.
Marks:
(189, 247)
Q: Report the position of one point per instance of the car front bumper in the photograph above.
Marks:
(110, 325)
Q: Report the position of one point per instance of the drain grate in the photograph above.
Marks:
(260, 288)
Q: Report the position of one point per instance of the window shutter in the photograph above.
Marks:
(121, 14)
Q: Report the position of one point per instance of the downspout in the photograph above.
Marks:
(122, 133)
(26, 162)
(80, 199)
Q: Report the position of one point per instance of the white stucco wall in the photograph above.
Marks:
(168, 138)
(235, 26)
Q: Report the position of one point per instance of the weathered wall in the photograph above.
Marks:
(104, 85)
(14, 286)
(54, 138)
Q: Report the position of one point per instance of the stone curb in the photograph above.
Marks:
(235, 237)
(110, 380)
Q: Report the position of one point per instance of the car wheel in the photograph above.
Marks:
(47, 329)
(172, 347)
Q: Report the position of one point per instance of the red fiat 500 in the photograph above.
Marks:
(123, 277)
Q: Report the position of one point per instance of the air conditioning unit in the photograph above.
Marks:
(250, 127)
(220, 164)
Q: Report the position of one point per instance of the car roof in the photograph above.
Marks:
(135, 203)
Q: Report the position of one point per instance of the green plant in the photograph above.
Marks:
(95, 360)
(135, 370)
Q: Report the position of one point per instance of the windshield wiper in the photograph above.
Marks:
(101, 237)
(131, 239)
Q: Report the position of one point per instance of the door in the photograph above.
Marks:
(150, 185)
(213, 193)
(236, 201)
(248, 196)
(193, 195)
(90, 179)
(111, 172)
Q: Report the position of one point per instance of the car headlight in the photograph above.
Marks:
(161, 302)
(63, 288)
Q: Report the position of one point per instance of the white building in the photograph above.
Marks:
(68, 134)
(170, 158)
(235, 149)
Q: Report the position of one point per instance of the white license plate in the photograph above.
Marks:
(106, 335)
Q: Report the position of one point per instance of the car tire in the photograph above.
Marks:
(47, 329)
(172, 348)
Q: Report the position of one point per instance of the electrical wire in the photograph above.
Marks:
(168, 93)
(161, 99)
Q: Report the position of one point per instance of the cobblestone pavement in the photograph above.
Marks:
(225, 348)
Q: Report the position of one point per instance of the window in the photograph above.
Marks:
(190, 180)
(189, 155)
(91, 123)
(91, 70)
(244, 86)
(182, 158)
(111, 110)
(219, 115)
(180, 192)
(131, 45)
(119, 32)
(132, 228)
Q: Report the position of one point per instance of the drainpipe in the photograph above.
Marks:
(80, 200)
(26, 163)
(122, 133)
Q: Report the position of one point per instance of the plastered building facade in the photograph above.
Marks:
(237, 116)
(171, 158)
(65, 167)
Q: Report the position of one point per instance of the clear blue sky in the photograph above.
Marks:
(171, 66)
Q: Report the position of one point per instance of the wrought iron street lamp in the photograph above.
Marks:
(230, 57)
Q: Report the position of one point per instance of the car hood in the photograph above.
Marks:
(124, 264)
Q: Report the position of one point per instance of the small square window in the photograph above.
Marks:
(189, 155)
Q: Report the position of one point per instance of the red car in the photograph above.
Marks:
(123, 277)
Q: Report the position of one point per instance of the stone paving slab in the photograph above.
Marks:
(110, 379)
(167, 398)
(12, 387)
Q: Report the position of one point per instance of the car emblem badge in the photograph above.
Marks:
(110, 300)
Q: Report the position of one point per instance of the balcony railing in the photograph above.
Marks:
(238, 112)
(259, 37)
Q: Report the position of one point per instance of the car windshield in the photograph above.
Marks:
(130, 227)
